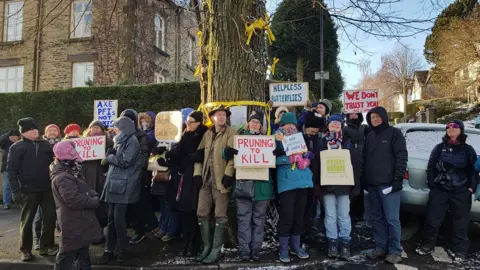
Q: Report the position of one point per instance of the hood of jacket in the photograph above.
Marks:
(150, 115)
(132, 115)
(383, 114)
(126, 127)
(355, 122)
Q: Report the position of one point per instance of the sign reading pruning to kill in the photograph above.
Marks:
(360, 101)
(254, 151)
(105, 111)
(168, 126)
(289, 94)
(91, 148)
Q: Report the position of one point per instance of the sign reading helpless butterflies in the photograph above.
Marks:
(294, 144)
(254, 151)
(289, 94)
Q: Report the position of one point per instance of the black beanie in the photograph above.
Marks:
(459, 123)
(26, 124)
(257, 116)
(14, 132)
(97, 123)
(197, 115)
(311, 121)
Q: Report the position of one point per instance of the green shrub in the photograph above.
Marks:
(444, 106)
(75, 105)
(393, 115)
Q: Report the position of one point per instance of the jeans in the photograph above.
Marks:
(168, 221)
(337, 217)
(7, 193)
(117, 227)
(80, 258)
(384, 210)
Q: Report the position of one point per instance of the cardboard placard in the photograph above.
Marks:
(91, 148)
(252, 174)
(360, 101)
(168, 126)
(294, 144)
(254, 151)
(105, 111)
(289, 94)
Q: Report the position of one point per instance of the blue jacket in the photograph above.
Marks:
(288, 179)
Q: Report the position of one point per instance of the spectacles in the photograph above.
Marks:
(191, 121)
(453, 125)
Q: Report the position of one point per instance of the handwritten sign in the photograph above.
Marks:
(289, 94)
(252, 174)
(254, 151)
(105, 111)
(294, 144)
(360, 101)
(91, 148)
(168, 126)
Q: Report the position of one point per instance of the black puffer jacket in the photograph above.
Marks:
(453, 167)
(313, 145)
(5, 144)
(28, 166)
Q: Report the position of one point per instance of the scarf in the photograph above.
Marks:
(52, 142)
(334, 139)
(74, 167)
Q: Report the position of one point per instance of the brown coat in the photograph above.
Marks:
(223, 167)
(76, 203)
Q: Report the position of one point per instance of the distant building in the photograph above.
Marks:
(468, 77)
(423, 87)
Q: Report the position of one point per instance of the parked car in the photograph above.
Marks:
(421, 139)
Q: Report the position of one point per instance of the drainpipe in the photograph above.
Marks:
(178, 47)
(37, 47)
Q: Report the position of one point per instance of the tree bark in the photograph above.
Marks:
(230, 69)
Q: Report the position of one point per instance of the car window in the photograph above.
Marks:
(421, 143)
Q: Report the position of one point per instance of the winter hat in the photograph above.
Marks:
(257, 115)
(132, 114)
(65, 150)
(335, 117)
(279, 110)
(288, 118)
(460, 124)
(72, 127)
(311, 121)
(97, 123)
(53, 126)
(26, 124)
(328, 105)
(197, 115)
(186, 113)
(220, 108)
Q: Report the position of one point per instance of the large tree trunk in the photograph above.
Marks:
(230, 69)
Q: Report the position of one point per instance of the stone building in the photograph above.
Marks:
(56, 44)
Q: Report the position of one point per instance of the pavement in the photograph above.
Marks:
(155, 254)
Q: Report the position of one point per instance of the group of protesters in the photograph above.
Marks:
(44, 173)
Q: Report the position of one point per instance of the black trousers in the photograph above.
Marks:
(80, 258)
(439, 202)
(292, 212)
(142, 212)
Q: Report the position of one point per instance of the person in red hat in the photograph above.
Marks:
(72, 131)
(52, 134)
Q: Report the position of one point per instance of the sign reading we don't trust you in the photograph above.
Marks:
(289, 94)
(360, 101)
(105, 111)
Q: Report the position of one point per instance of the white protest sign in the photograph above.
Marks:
(289, 94)
(252, 173)
(360, 101)
(254, 151)
(294, 144)
(168, 126)
(105, 111)
(91, 148)
(238, 117)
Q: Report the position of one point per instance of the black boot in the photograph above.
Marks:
(192, 249)
(182, 252)
(345, 251)
(332, 249)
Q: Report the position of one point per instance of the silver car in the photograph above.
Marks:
(421, 139)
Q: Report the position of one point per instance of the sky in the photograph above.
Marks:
(371, 48)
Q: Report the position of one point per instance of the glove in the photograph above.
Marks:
(295, 158)
(162, 162)
(112, 151)
(227, 181)
(198, 156)
(278, 152)
(303, 163)
(197, 181)
(229, 153)
(309, 155)
(18, 198)
(158, 150)
(397, 186)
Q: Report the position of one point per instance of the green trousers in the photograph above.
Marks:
(32, 201)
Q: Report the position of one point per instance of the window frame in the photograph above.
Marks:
(17, 37)
(159, 75)
(191, 48)
(73, 24)
(85, 64)
(162, 35)
(16, 79)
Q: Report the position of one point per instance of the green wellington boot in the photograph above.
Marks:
(217, 243)
(206, 232)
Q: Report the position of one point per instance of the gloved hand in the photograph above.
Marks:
(397, 186)
(309, 155)
(197, 181)
(158, 150)
(112, 151)
(227, 181)
(295, 158)
(198, 156)
(18, 198)
(162, 162)
(303, 163)
(278, 152)
(229, 153)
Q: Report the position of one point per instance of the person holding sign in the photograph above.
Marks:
(217, 176)
(251, 206)
(294, 181)
(336, 198)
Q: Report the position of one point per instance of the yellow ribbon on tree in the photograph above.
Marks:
(260, 24)
(197, 71)
(272, 68)
(199, 35)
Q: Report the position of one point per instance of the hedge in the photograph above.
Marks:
(444, 105)
(75, 105)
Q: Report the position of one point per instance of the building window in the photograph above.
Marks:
(13, 21)
(191, 51)
(82, 74)
(160, 32)
(81, 19)
(11, 79)
(159, 78)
